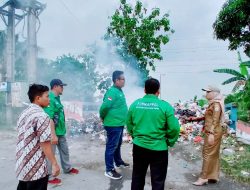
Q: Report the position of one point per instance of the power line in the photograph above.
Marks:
(197, 60)
(197, 72)
(190, 65)
(213, 48)
(190, 37)
(70, 12)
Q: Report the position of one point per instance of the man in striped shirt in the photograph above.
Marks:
(33, 143)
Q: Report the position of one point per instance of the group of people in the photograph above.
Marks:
(41, 128)
(150, 121)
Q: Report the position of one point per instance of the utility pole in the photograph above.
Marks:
(160, 75)
(10, 61)
(9, 74)
(32, 8)
(32, 46)
(10, 45)
(9, 18)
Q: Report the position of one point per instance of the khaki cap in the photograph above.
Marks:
(211, 88)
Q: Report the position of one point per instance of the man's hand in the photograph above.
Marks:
(55, 169)
(210, 139)
(47, 149)
(54, 139)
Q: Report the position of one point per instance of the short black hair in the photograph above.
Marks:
(152, 86)
(36, 90)
(116, 75)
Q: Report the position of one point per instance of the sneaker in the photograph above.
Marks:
(73, 171)
(55, 181)
(123, 165)
(113, 174)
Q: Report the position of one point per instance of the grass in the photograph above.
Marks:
(233, 165)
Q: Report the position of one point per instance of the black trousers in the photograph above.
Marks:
(40, 184)
(158, 162)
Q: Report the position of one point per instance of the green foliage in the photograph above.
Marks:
(20, 57)
(104, 82)
(230, 71)
(244, 104)
(233, 79)
(246, 63)
(233, 24)
(77, 72)
(138, 33)
(240, 77)
(233, 165)
(195, 98)
(20, 61)
(233, 98)
(202, 102)
(242, 100)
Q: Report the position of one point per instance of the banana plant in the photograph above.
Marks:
(240, 77)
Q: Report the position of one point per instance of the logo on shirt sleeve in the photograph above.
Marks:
(109, 98)
(217, 108)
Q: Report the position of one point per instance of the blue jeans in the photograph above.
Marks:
(113, 147)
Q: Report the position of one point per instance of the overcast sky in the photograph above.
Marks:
(189, 57)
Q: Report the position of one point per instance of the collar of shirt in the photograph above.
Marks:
(52, 94)
(117, 87)
(35, 106)
(150, 96)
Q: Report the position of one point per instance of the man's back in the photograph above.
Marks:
(152, 123)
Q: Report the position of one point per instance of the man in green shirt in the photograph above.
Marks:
(58, 129)
(113, 112)
(153, 127)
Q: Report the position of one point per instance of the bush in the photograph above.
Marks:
(244, 104)
(242, 100)
(233, 98)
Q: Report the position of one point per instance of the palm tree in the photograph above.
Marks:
(239, 76)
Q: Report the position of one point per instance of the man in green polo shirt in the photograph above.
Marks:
(58, 129)
(153, 127)
(113, 112)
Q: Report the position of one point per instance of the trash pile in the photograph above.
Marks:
(189, 114)
(190, 118)
(92, 125)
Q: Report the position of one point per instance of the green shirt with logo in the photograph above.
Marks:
(152, 124)
(113, 110)
(56, 113)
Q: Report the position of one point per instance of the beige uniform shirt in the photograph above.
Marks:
(212, 118)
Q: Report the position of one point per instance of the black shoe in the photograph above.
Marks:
(113, 174)
(123, 165)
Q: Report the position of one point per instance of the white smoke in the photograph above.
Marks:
(108, 61)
